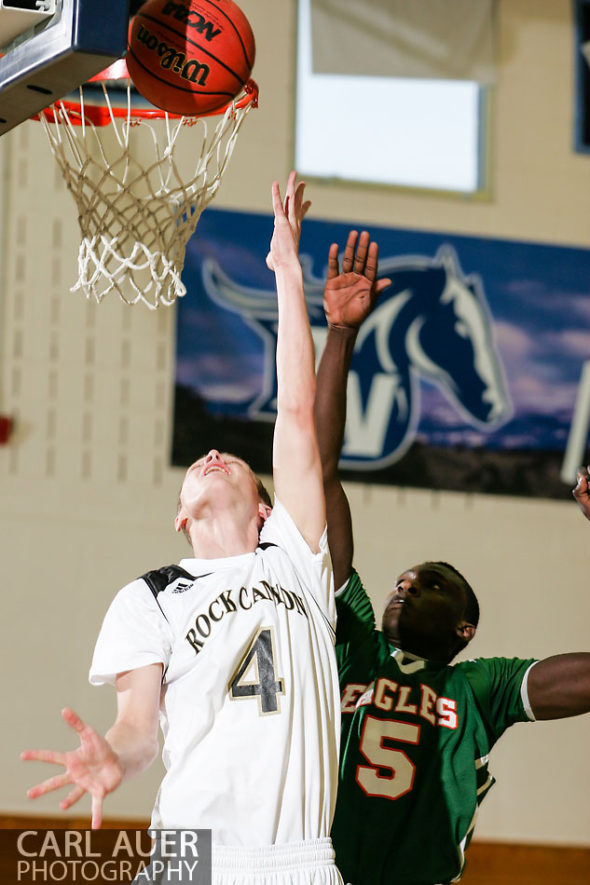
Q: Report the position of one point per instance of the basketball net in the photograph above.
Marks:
(138, 198)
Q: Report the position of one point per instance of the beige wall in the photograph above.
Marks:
(87, 496)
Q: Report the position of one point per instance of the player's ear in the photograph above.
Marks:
(180, 521)
(264, 512)
(465, 631)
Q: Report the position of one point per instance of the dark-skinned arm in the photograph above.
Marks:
(349, 297)
(560, 686)
(582, 490)
(330, 410)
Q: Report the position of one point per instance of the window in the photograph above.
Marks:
(418, 132)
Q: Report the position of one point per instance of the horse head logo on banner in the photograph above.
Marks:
(433, 323)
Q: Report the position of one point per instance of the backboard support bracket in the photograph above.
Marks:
(83, 40)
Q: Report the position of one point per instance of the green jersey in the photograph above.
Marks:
(416, 735)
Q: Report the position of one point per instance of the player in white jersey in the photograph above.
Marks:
(233, 650)
(237, 693)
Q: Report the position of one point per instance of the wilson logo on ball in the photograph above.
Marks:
(171, 59)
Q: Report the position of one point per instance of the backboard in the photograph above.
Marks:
(78, 41)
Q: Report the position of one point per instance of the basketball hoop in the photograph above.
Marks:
(138, 200)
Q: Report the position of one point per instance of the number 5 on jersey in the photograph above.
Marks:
(391, 772)
(256, 674)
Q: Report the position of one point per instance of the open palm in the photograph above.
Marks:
(93, 768)
(351, 295)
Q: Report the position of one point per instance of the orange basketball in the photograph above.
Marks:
(190, 56)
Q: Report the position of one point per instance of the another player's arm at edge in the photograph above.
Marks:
(296, 462)
(559, 686)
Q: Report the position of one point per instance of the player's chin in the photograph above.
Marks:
(390, 621)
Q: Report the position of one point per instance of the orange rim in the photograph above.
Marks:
(100, 115)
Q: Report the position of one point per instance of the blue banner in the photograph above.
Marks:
(465, 376)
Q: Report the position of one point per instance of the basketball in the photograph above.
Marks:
(190, 57)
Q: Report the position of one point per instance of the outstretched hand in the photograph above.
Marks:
(351, 295)
(582, 490)
(93, 768)
(288, 217)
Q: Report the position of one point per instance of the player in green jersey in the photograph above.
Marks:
(416, 730)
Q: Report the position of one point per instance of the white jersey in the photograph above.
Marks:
(249, 704)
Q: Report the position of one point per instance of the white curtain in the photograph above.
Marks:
(446, 39)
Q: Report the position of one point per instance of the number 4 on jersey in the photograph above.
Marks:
(259, 661)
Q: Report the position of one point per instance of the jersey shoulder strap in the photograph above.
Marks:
(158, 579)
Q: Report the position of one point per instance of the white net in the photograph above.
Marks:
(139, 196)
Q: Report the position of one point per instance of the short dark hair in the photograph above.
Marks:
(471, 613)
(471, 604)
(262, 491)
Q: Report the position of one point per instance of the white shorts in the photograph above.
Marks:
(296, 863)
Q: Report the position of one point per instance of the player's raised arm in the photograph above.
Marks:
(100, 764)
(349, 297)
(296, 463)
